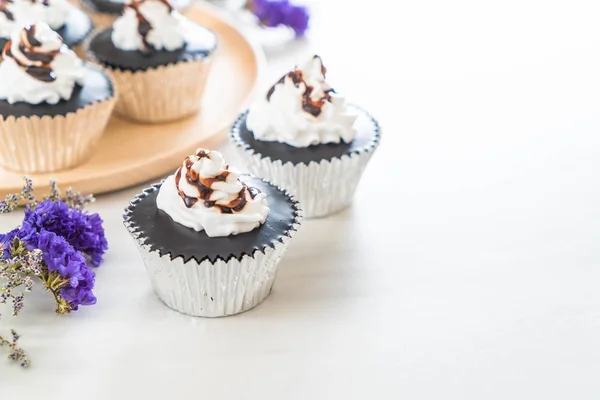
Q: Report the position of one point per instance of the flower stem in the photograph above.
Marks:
(18, 354)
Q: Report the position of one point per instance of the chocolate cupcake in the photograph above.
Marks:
(210, 238)
(105, 12)
(303, 137)
(159, 59)
(53, 107)
(71, 23)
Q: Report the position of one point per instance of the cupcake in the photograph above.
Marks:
(71, 23)
(305, 138)
(105, 12)
(8, 21)
(53, 107)
(159, 59)
(211, 238)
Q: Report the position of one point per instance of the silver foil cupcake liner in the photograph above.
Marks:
(216, 288)
(322, 188)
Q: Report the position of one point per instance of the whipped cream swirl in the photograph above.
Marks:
(8, 19)
(38, 67)
(52, 12)
(302, 110)
(205, 194)
(148, 25)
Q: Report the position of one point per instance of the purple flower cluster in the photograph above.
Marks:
(274, 13)
(70, 264)
(60, 257)
(5, 242)
(65, 236)
(81, 230)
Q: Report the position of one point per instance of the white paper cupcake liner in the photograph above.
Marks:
(322, 188)
(213, 289)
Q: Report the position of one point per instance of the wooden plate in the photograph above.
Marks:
(131, 153)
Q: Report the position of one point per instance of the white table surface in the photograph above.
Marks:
(468, 267)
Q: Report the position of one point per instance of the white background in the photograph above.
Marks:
(468, 267)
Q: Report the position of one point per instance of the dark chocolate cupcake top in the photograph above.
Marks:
(105, 6)
(115, 7)
(200, 213)
(149, 34)
(42, 76)
(366, 139)
(96, 87)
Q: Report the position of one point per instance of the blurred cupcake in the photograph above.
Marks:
(105, 12)
(71, 23)
(303, 137)
(8, 21)
(53, 107)
(210, 238)
(159, 59)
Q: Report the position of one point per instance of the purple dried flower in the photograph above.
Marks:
(27, 191)
(54, 191)
(15, 270)
(297, 18)
(9, 203)
(80, 292)
(18, 354)
(75, 278)
(6, 240)
(65, 271)
(77, 200)
(272, 13)
(74, 199)
(81, 230)
(269, 12)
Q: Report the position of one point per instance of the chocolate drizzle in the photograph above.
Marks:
(37, 63)
(157, 230)
(204, 186)
(144, 26)
(309, 105)
(3, 4)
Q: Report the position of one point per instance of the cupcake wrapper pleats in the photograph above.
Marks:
(321, 188)
(161, 94)
(216, 289)
(47, 144)
(213, 288)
